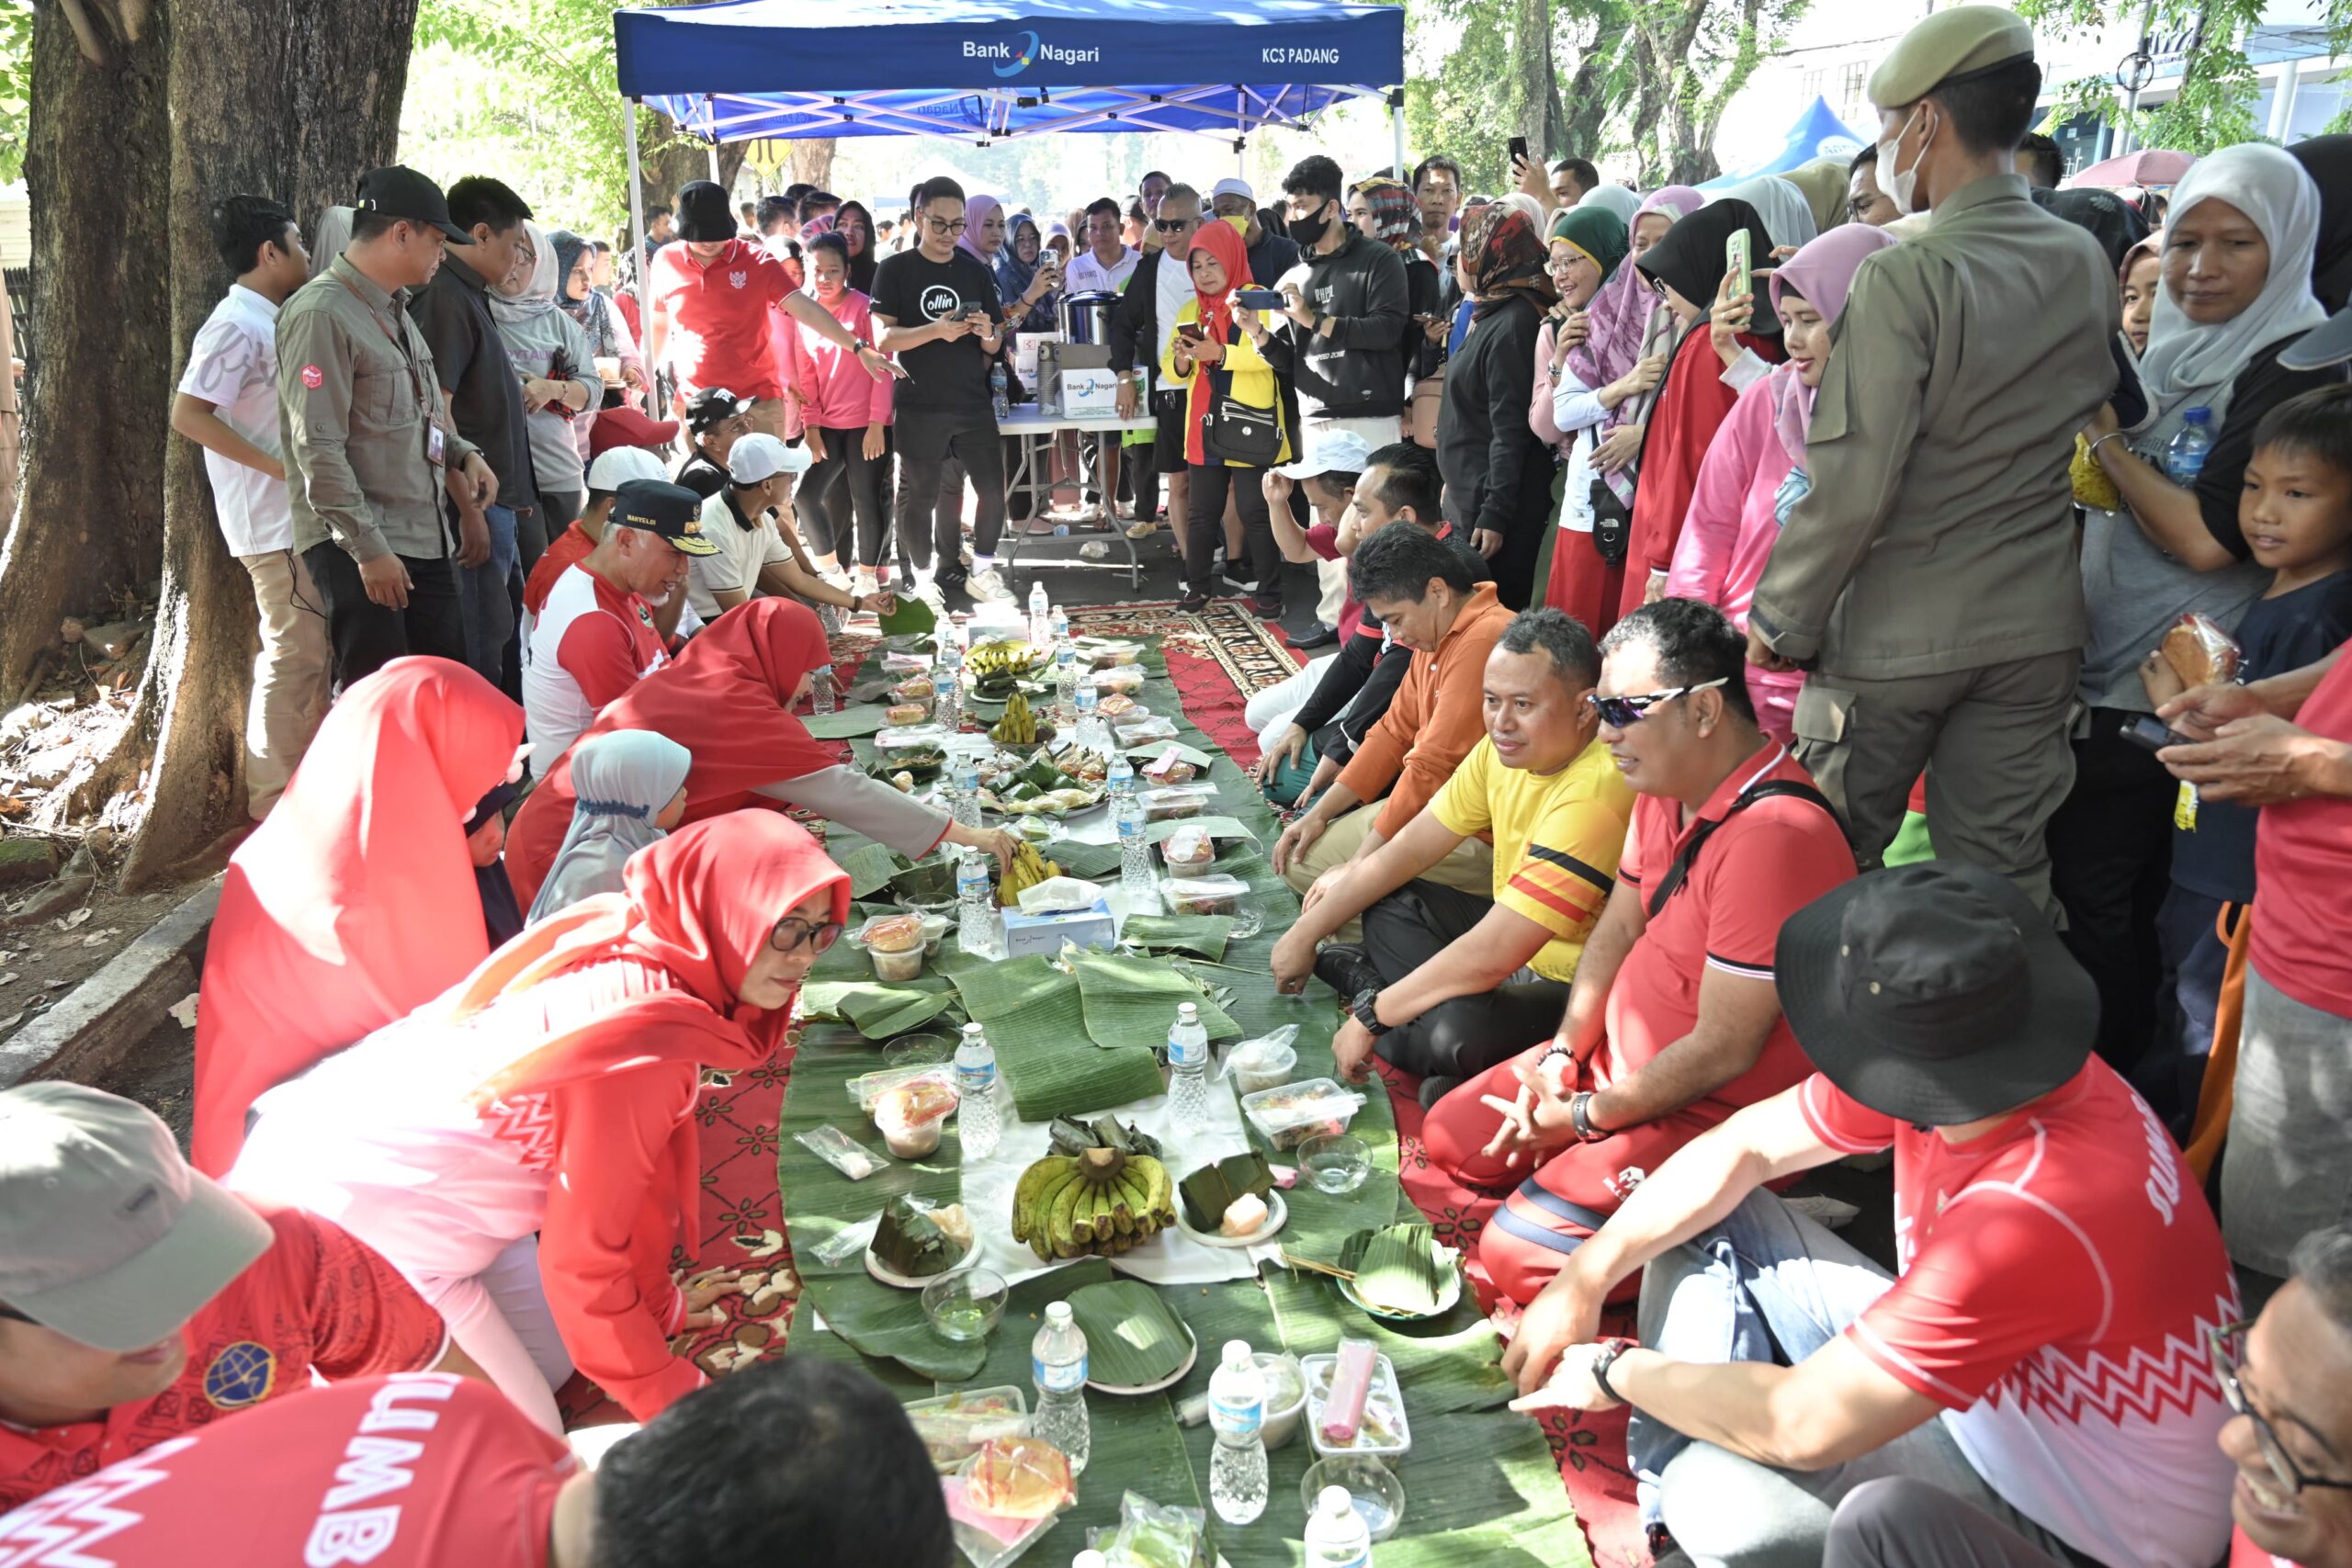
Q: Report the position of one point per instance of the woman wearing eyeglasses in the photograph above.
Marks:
(524, 1148)
(729, 699)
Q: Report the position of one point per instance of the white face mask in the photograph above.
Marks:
(1900, 186)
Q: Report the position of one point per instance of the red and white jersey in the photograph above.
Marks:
(409, 1472)
(588, 644)
(2058, 1276)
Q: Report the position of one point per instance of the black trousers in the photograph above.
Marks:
(367, 635)
(847, 484)
(2111, 866)
(1463, 1037)
(928, 526)
(1205, 526)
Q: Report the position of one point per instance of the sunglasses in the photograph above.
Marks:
(2229, 1368)
(793, 933)
(1173, 225)
(1620, 713)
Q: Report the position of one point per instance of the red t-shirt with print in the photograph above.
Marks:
(318, 1300)
(416, 1471)
(719, 317)
(2057, 1277)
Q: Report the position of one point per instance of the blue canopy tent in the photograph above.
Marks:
(1818, 133)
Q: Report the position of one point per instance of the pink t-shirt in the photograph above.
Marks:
(2058, 1275)
(2302, 863)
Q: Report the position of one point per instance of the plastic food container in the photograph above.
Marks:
(1384, 1432)
(1289, 1115)
(1283, 1376)
(1205, 896)
(896, 944)
(1189, 851)
(935, 736)
(1174, 801)
(953, 1425)
(1263, 1070)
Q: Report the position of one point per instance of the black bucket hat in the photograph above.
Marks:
(1935, 993)
(704, 212)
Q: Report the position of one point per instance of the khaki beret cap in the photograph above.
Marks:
(1951, 45)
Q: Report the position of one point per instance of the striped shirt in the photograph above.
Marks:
(1557, 840)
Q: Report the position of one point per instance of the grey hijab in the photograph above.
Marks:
(620, 781)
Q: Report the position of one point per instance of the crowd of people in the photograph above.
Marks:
(1841, 664)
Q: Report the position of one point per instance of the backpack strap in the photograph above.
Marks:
(1679, 871)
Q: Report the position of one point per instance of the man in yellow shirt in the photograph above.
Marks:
(1448, 984)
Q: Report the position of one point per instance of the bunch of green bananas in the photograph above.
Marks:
(993, 670)
(1101, 1202)
(1018, 727)
(1028, 869)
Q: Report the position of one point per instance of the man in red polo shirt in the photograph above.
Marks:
(140, 1301)
(436, 1471)
(638, 441)
(713, 296)
(1672, 1022)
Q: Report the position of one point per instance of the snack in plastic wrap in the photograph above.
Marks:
(1136, 731)
(953, 1428)
(1119, 678)
(1116, 706)
(1203, 894)
(911, 1116)
(839, 1150)
(894, 943)
(1189, 850)
(908, 713)
(1177, 801)
(2201, 652)
(1152, 1536)
(1171, 770)
(2092, 487)
(1018, 1478)
(1289, 1114)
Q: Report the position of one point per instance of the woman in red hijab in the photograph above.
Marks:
(356, 899)
(1722, 352)
(727, 699)
(1239, 359)
(524, 1147)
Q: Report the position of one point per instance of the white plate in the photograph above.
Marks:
(909, 1282)
(1448, 1293)
(1277, 1212)
(1171, 1380)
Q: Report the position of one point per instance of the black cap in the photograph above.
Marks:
(704, 212)
(397, 191)
(713, 405)
(659, 507)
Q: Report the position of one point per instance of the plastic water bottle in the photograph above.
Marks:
(964, 800)
(975, 1116)
(1041, 622)
(1093, 733)
(1066, 687)
(1236, 1411)
(1188, 1069)
(2185, 454)
(1089, 1559)
(976, 906)
(1134, 853)
(999, 392)
(1061, 626)
(821, 690)
(1337, 1536)
(947, 685)
(1057, 1370)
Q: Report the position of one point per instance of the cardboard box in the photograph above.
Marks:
(1028, 935)
(1090, 394)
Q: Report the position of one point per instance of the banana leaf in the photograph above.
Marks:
(846, 723)
(1037, 1024)
(1203, 934)
(1090, 860)
(870, 868)
(911, 616)
(1397, 1267)
(1209, 1192)
(1215, 827)
(876, 1010)
(911, 1243)
(1132, 1001)
(926, 881)
(1132, 1337)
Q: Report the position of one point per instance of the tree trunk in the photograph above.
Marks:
(88, 523)
(677, 158)
(812, 160)
(333, 72)
(1537, 82)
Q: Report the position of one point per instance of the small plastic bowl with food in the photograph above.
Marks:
(918, 1051)
(964, 1307)
(1258, 1066)
(1189, 851)
(1124, 679)
(1205, 896)
(1289, 1115)
(1177, 802)
(911, 1116)
(894, 943)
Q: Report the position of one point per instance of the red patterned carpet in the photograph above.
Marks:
(1215, 660)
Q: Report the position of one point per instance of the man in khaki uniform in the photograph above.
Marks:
(1928, 581)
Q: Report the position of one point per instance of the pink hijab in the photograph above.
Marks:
(1615, 320)
(977, 211)
(1822, 275)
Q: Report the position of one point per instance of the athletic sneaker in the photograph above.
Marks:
(1237, 585)
(989, 585)
(1268, 607)
(1192, 604)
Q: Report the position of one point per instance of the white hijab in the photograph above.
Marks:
(334, 233)
(1624, 203)
(1786, 211)
(535, 298)
(620, 781)
(2188, 359)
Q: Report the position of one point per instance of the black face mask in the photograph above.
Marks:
(1308, 232)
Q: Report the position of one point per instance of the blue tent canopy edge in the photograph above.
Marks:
(1818, 133)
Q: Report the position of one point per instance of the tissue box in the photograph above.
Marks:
(1027, 935)
(1090, 394)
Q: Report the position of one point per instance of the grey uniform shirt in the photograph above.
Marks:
(1940, 533)
(353, 407)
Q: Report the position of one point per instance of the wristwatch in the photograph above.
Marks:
(1580, 1118)
(1364, 1008)
(1607, 1358)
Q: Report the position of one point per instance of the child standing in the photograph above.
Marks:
(2296, 515)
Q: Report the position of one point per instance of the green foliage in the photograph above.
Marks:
(15, 84)
(2214, 106)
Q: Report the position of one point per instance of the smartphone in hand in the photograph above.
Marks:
(1190, 331)
(2149, 732)
(1517, 153)
(1736, 259)
(1259, 299)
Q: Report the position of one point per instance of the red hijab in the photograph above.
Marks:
(727, 699)
(1690, 408)
(1222, 241)
(355, 902)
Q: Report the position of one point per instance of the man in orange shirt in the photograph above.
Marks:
(1420, 587)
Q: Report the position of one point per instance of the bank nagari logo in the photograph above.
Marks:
(1012, 59)
(240, 1375)
(939, 302)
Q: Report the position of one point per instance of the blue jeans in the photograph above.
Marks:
(1771, 1285)
(489, 595)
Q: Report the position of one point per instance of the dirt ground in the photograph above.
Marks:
(39, 963)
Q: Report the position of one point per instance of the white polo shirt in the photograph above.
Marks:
(234, 367)
(741, 553)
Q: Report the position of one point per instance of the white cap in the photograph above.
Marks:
(1330, 452)
(1231, 187)
(616, 468)
(1237, 1350)
(1335, 1502)
(1058, 1312)
(760, 456)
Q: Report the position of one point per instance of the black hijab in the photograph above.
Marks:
(2328, 161)
(2114, 222)
(502, 916)
(1690, 259)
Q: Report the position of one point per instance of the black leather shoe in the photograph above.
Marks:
(1347, 969)
(1317, 636)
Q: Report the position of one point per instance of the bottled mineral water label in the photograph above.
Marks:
(1058, 1377)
